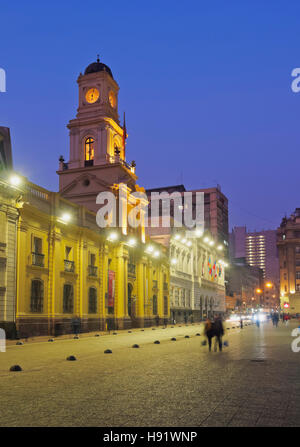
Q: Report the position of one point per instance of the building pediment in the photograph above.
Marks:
(86, 183)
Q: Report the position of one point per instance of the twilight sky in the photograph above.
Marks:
(206, 86)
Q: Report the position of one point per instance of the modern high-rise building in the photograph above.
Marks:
(215, 209)
(259, 250)
(216, 213)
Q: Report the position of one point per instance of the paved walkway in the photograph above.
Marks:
(253, 382)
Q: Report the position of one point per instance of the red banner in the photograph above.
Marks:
(111, 288)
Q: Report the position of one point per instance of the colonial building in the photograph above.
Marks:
(67, 266)
(197, 288)
(197, 273)
(288, 243)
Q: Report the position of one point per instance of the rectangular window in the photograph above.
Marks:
(298, 275)
(37, 252)
(37, 245)
(92, 300)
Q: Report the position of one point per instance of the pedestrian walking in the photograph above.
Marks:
(219, 331)
(76, 325)
(286, 319)
(209, 332)
(241, 323)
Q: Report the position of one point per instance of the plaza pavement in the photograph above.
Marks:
(253, 382)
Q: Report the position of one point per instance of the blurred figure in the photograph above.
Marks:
(241, 323)
(275, 319)
(76, 323)
(286, 319)
(209, 332)
(218, 329)
(257, 321)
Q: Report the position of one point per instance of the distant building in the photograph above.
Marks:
(259, 250)
(258, 247)
(216, 213)
(215, 209)
(288, 242)
(244, 285)
(197, 277)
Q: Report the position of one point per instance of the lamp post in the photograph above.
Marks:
(258, 291)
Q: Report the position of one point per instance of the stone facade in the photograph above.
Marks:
(288, 243)
(72, 269)
(197, 269)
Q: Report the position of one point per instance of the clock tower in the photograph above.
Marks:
(97, 141)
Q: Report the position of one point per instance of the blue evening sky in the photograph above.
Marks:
(206, 86)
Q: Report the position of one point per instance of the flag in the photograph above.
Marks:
(124, 135)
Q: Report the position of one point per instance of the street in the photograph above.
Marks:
(255, 381)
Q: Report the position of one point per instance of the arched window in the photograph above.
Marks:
(92, 300)
(37, 296)
(68, 299)
(154, 305)
(89, 151)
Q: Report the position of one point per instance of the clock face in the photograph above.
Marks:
(112, 99)
(92, 95)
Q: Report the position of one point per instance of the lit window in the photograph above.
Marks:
(89, 149)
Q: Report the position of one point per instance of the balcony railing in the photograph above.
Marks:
(117, 159)
(92, 270)
(69, 266)
(38, 259)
